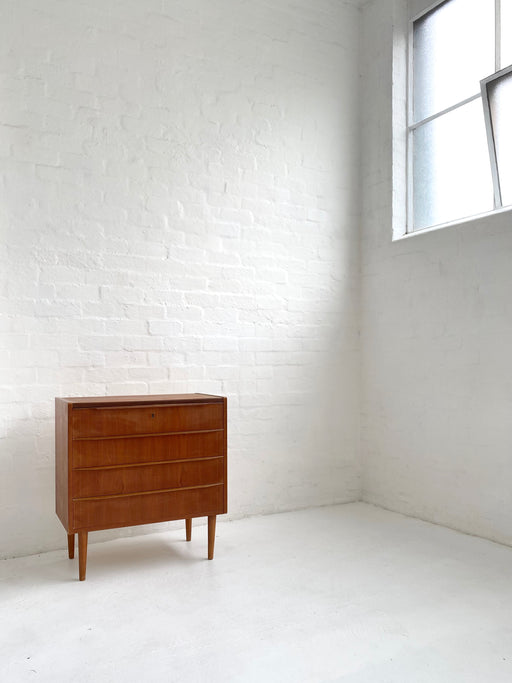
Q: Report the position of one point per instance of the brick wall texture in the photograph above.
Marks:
(179, 212)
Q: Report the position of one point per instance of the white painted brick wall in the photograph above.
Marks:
(436, 436)
(179, 212)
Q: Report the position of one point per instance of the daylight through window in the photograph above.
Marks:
(460, 112)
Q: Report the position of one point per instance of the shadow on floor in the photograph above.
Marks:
(143, 553)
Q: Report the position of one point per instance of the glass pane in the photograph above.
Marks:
(500, 106)
(453, 51)
(506, 33)
(452, 172)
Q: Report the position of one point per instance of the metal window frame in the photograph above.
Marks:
(491, 143)
(414, 125)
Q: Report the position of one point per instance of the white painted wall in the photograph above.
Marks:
(437, 331)
(179, 212)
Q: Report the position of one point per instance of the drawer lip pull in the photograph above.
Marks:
(128, 421)
(153, 448)
(134, 404)
(148, 493)
(139, 436)
(146, 464)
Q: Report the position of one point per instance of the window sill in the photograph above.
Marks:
(460, 221)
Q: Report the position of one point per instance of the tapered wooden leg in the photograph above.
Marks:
(188, 527)
(82, 554)
(211, 535)
(71, 546)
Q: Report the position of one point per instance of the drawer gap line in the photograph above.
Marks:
(141, 436)
(148, 493)
(150, 463)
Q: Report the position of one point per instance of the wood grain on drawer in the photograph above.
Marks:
(101, 422)
(127, 450)
(148, 508)
(138, 478)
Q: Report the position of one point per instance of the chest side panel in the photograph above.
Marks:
(62, 501)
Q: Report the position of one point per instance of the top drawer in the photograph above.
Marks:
(156, 419)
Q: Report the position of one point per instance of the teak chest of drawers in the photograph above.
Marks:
(127, 460)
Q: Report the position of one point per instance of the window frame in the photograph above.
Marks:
(491, 144)
(411, 125)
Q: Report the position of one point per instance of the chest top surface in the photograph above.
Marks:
(137, 400)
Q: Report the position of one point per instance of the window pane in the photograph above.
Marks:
(451, 174)
(500, 106)
(506, 33)
(453, 51)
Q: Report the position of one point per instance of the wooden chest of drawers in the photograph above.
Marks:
(127, 460)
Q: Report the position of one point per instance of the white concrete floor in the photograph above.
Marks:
(348, 593)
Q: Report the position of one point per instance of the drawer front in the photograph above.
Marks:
(122, 451)
(147, 508)
(98, 422)
(119, 480)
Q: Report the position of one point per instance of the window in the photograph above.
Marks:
(459, 112)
